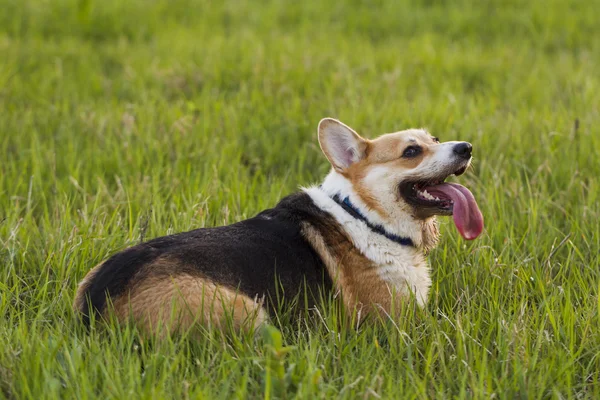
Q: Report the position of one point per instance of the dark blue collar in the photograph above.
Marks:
(352, 210)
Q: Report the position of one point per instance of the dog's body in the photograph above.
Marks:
(362, 233)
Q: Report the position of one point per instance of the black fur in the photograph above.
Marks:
(262, 256)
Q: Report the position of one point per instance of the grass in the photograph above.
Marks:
(126, 120)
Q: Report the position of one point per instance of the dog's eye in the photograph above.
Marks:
(436, 139)
(412, 151)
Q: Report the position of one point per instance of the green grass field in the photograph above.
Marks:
(126, 120)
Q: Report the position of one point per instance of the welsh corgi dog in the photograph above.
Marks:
(363, 233)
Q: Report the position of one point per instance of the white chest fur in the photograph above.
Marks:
(403, 268)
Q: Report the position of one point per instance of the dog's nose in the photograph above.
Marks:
(463, 149)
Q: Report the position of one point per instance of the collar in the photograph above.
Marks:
(353, 211)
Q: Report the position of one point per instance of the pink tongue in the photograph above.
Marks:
(466, 213)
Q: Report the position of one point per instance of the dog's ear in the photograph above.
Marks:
(341, 145)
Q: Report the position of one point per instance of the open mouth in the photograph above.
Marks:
(435, 197)
(417, 195)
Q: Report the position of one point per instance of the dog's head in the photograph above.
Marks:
(401, 175)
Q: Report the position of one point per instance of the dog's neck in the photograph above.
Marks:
(423, 234)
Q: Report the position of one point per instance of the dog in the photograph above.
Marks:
(363, 233)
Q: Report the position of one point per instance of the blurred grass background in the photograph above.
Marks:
(126, 120)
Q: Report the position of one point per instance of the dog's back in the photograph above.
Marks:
(212, 274)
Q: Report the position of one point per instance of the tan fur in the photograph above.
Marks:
(386, 149)
(174, 304)
(355, 277)
(80, 298)
(390, 147)
(430, 234)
